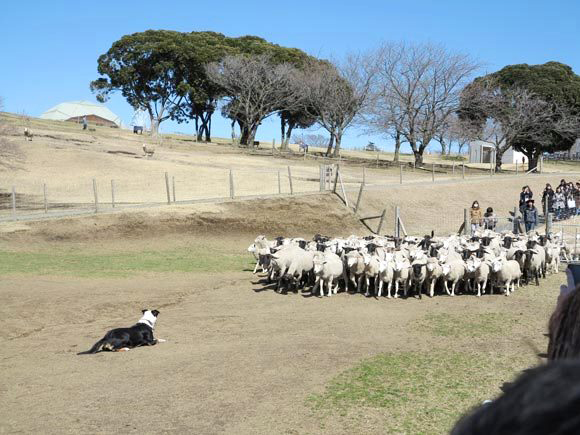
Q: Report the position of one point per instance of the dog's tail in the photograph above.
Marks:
(96, 347)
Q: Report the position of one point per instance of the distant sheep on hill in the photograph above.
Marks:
(149, 150)
(28, 134)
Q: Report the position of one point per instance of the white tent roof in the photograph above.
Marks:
(71, 109)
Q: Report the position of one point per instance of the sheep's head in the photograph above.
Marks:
(318, 265)
(497, 264)
(431, 265)
(400, 265)
(366, 259)
(252, 248)
(473, 264)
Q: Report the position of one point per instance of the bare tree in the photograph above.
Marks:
(336, 94)
(503, 117)
(421, 85)
(313, 140)
(454, 132)
(256, 88)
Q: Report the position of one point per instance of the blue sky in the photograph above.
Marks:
(50, 49)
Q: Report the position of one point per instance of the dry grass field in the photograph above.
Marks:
(239, 358)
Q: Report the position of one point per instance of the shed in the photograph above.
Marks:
(75, 111)
(484, 152)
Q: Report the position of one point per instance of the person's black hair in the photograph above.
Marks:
(543, 400)
(564, 328)
(489, 210)
(475, 202)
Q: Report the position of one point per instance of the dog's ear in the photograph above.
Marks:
(144, 310)
(155, 313)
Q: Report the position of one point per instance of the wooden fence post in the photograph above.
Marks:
(364, 175)
(167, 188)
(433, 172)
(96, 195)
(13, 201)
(400, 174)
(336, 179)
(321, 177)
(516, 167)
(465, 223)
(113, 193)
(453, 168)
(490, 169)
(381, 221)
(45, 198)
(360, 192)
(232, 193)
(290, 181)
(463, 170)
(377, 160)
(342, 189)
(173, 187)
(549, 224)
(397, 220)
(279, 184)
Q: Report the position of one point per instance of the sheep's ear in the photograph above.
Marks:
(144, 310)
(155, 313)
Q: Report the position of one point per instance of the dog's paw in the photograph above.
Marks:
(124, 349)
(160, 340)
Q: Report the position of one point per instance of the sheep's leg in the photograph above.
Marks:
(389, 287)
(367, 285)
(256, 268)
(359, 284)
(537, 274)
(352, 280)
(478, 289)
(431, 288)
(380, 287)
(335, 288)
(446, 285)
(396, 288)
(329, 287)
(453, 288)
(405, 287)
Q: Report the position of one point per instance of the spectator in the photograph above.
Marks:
(85, 123)
(542, 400)
(548, 199)
(559, 203)
(530, 216)
(577, 197)
(571, 199)
(476, 216)
(564, 325)
(489, 219)
(525, 195)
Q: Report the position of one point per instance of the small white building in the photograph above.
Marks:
(484, 152)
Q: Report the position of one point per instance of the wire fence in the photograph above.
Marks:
(28, 199)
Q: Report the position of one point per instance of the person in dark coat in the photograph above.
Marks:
(548, 199)
(525, 195)
(530, 215)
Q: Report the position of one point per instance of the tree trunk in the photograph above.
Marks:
(532, 160)
(498, 162)
(252, 134)
(291, 126)
(337, 141)
(208, 128)
(330, 145)
(444, 149)
(233, 130)
(244, 134)
(397, 146)
(283, 133)
(418, 158)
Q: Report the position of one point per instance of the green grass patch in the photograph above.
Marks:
(472, 325)
(120, 264)
(413, 392)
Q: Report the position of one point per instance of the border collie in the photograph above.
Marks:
(123, 339)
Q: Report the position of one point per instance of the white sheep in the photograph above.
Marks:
(434, 272)
(149, 150)
(28, 134)
(480, 270)
(508, 273)
(401, 269)
(453, 272)
(386, 275)
(327, 268)
(356, 267)
(372, 269)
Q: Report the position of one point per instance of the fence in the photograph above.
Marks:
(29, 199)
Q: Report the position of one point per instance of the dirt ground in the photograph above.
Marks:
(239, 358)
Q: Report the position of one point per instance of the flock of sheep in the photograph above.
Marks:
(477, 264)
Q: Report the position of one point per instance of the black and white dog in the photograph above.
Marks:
(123, 339)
